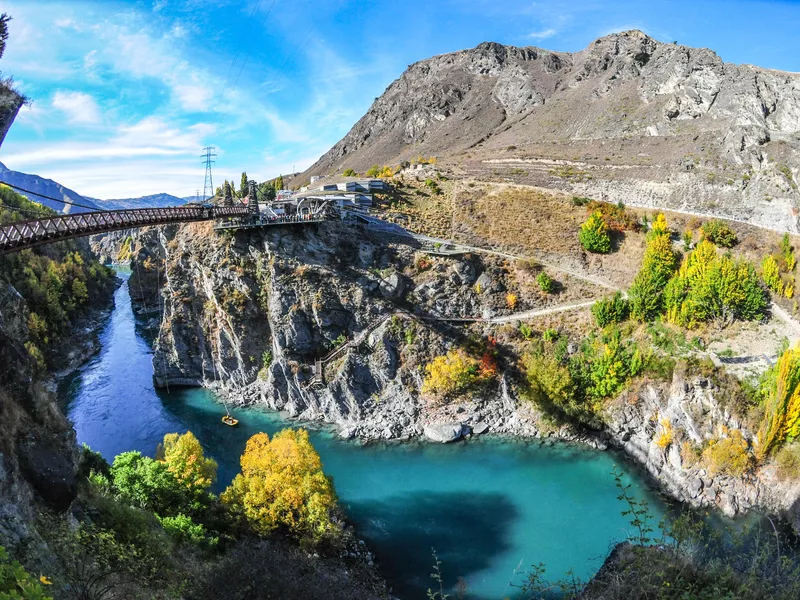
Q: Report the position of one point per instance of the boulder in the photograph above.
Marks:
(50, 471)
(480, 428)
(443, 432)
(484, 282)
(465, 272)
(394, 286)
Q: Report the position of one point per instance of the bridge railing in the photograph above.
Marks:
(33, 232)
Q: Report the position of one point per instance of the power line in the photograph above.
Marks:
(62, 201)
(27, 211)
(247, 56)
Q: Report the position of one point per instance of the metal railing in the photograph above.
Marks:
(34, 232)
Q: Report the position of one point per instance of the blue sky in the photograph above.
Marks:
(127, 92)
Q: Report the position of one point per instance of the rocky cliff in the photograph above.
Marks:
(627, 119)
(253, 314)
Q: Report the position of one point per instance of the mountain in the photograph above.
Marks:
(47, 187)
(627, 119)
(152, 201)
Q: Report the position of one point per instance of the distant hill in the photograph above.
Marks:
(47, 187)
(152, 201)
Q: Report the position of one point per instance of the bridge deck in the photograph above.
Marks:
(268, 223)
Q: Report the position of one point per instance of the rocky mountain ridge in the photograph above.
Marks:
(627, 119)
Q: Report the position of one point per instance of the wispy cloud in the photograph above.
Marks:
(542, 35)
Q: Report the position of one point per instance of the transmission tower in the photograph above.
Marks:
(209, 156)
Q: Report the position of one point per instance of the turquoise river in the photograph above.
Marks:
(489, 507)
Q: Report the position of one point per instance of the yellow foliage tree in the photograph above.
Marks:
(184, 458)
(452, 373)
(282, 486)
(782, 406)
(659, 227)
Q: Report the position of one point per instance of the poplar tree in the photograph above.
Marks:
(243, 186)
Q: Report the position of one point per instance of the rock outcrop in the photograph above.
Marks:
(627, 119)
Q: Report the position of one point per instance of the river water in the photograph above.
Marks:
(490, 508)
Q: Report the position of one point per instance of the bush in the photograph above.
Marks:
(545, 282)
(614, 215)
(770, 273)
(594, 234)
(17, 584)
(788, 462)
(526, 331)
(664, 439)
(511, 300)
(147, 483)
(451, 374)
(282, 487)
(610, 310)
(719, 233)
(183, 530)
(349, 173)
(549, 382)
(728, 455)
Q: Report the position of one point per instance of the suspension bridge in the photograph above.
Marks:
(30, 233)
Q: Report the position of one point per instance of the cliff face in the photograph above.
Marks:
(252, 314)
(628, 119)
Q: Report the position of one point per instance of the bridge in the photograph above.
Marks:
(20, 235)
(35, 232)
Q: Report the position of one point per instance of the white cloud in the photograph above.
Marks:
(542, 35)
(80, 108)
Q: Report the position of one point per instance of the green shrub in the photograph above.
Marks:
(545, 282)
(183, 530)
(550, 383)
(266, 361)
(610, 310)
(550, 335)
(17, 584)
(525, 330)
(349, 173)
(719, 233)
(147, 483)
(594, 234)
(580, 201)
(373, 171)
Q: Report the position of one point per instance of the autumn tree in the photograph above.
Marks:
(279, 183)
(781, 421)
(594, 234)
(184, 458)
(282, 487)
(659, 263)
(451, 374)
